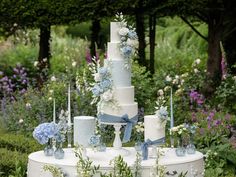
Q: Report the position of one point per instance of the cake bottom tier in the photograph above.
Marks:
(130, 109)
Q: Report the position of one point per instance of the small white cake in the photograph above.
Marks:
(84, 128)
(154, 127)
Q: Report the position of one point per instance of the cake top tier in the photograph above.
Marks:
(115, 27)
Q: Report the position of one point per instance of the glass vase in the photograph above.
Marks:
(191, 149)
(59, 152)
(48, 150)
(138, 146)
(180, 150)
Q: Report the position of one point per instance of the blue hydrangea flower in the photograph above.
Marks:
(96, 90)
(132, 34)
(94, 140)
(127, 50)
(103, 71)
(105, 84)
(44, 131)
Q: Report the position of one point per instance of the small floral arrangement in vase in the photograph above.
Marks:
(139, 127)
(94, 141)
(191, 149)
(179, 132)
(44, 133)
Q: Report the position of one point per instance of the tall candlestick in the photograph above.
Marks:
(54, 111)
(171, 110)
(69, 110)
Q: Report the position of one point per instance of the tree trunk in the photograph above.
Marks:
(152, 37)
(95, 29)
(230, 46)
(140, 29)
(44, 54)
(214, 57)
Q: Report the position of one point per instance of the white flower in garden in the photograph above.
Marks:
(123, 31)
(139, 127)
(196, 70)
(107, 96)
(21, 121)
(184, 75)
(168, 78)
(74, 63)
(177, 77)
(28, 105)
(50, 98)
(15, 24)
(234, 77)
(97, 77)
(175, 81)
(45, 60)
(161, 92)
(51, 91)
(36, 63)
(167, 88)
(182, 81)
(197, 61)
(53, 78)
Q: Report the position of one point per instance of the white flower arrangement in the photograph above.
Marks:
(179, 130)
(128, 39)
(161, 110)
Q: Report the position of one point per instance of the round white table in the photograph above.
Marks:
(192, 164)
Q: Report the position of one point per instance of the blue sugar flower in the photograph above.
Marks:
(127, 50)
(103, 71)
(132, 34)
(105, 84)
(96, 90)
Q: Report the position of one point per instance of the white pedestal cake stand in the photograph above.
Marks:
(117, 143)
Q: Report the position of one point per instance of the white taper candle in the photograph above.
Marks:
(69, 109)
(54, 110)
(171, 110)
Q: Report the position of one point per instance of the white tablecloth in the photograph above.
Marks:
(193, 164)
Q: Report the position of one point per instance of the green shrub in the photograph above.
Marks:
(11, 161)
(19, 143)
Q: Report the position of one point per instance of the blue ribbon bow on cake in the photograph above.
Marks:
(123, 119)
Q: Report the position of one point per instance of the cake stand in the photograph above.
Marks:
(117, 143)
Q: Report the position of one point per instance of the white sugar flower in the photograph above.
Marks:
(133, 43)
(168, 78)
(161, 92)
(97, 77)
(53, 78)
(123, 31)
(107, 96)
(74, 63)
(36, 63)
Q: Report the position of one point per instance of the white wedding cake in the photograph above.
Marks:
(123, 91)
(154, 127)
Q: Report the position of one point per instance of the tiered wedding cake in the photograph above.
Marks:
(123, 91)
